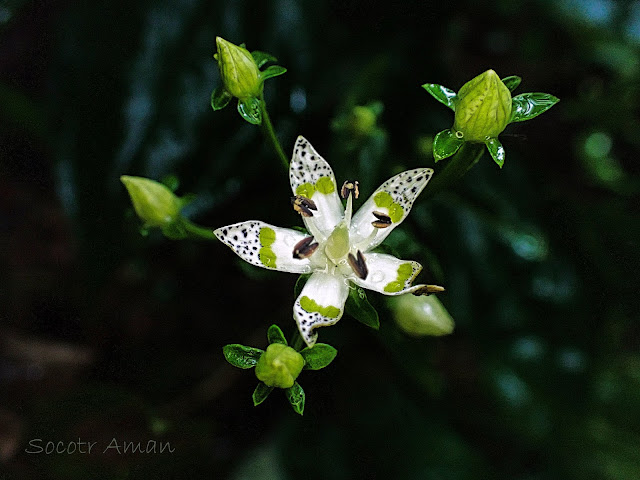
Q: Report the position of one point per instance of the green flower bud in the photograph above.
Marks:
(239, 71)
(483, 108)
(422, 315)
(154, 203)
(279, 366)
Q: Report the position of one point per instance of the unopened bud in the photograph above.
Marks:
(279, 366)
(154, 203)
(483, 108)
(238, 69)
(420, 316)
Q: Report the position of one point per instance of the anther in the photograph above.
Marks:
(381, 221)
(358, 265)
(303, 205)
(428, 290)
(350, 187)
(304, 248)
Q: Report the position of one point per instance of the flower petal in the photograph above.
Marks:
(393, 199)
(388, 274)
(320, 303)
(264, 245)
(312, 177)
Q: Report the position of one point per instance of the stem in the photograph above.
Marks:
(298, 342)
(198, 231)
(455, 168)
(269, 132)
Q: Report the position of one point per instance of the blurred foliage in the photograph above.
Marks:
(109, 334)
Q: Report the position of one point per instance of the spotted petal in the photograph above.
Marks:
(320, 303)
(388, 274)
(394, 200)
(264, 245)
(312, 177)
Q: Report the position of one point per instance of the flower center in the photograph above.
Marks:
(337, 245)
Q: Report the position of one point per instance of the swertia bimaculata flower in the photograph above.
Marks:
(337, 252)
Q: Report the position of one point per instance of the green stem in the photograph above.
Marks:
(198, 231)
(269, 132)
(298, 342)
(455, 168)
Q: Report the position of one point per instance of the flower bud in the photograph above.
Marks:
(421, 315)
(154, 203)
(483, 108)
(239, 71)
(279, 366)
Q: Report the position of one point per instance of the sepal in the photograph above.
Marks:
(445, 144)
(296, 398)
(529, 105)
(241, 356)
(319, 356)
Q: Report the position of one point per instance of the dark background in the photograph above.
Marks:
(109, 334)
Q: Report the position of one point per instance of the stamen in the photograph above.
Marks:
(428, 290)
(303, 205)
(382, 220)
(304, 248)
(358, 265)
(350, 187)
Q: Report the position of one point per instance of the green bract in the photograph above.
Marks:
(154, 203)
(242, 78)
(483, 108)
(279, 366)
(421, 315)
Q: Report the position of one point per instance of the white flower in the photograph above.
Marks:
(338, 252)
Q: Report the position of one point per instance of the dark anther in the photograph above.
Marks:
(358, 265)
(428, 290)
(350, 187)
(304, 248)
(303, 205)
(381, 221)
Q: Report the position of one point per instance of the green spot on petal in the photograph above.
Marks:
(396, 212)
(306, 190)
(311, 306)
(325, 185)
(268, 257)
(267, 236)
(405, 271)
(384, 200)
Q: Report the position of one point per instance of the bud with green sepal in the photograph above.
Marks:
(242, 79)
(279, 365)
(158, 207)
(483, 108)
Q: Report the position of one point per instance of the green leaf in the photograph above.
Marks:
(272, 71)
(295, 395)
(241, 356)
(220, 98)
(318, 356)
(359, 308)
(261, 393)
(249, 109)
(302, 279)
(529, 105)
(262, 57)
(496, 150)
(511, 82)
(445, 144)
(442, 94)
(275, 335)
